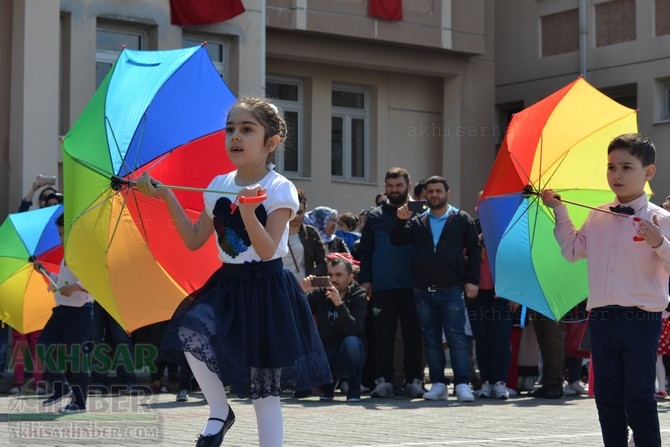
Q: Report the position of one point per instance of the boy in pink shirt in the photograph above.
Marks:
(628, 267)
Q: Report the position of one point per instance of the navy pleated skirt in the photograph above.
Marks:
(251, 325)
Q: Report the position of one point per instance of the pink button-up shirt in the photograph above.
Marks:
(621, 271)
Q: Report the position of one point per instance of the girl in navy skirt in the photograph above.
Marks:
(250, 325)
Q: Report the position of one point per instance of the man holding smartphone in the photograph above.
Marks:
(386, 274)
(446, 264)
(339, 306)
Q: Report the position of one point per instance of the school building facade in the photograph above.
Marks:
(432, 92)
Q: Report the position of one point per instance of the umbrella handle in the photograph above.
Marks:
(33, 260)
(250, 199)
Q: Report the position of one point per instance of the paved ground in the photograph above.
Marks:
(160, 420)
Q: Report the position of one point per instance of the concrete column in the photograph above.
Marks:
(252, 49)
(33, 132)
(452, 144)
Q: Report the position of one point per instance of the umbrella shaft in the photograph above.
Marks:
(117, 180)
(595, 208)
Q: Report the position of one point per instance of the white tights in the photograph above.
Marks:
(269, 417)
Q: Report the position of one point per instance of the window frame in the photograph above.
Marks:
(348, 114)
(109, 56)
(665, 99)
(285, 105)
(222, 67)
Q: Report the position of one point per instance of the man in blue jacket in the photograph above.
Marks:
(386, 274)
(446, 263)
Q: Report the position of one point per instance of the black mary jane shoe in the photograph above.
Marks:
(216, 439)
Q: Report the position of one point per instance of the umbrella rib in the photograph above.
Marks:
(139, 144)
(116, 144)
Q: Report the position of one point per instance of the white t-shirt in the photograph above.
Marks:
(232, 238)
(64, 278)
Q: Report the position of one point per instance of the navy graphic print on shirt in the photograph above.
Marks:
(231, 233)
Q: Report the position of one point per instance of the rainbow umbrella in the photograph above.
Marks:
(557, 143)
(25, 302)
(157, 111)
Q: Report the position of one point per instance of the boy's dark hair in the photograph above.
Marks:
(55, 196)
(397, 172)
(638, 145)
(437, 179)
(419, 187)
(349, 221)
(46, 192)
(60, 220)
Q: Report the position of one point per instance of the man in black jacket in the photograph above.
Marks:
(386, 275)
(339, 309)
(446, 263)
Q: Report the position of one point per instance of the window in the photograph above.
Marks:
(110, 39)
(505, 113)
(615, 22)
(662, 17)
(217, 51)
(349, 138)
(665, 90)
(560, 33)
(286, 94)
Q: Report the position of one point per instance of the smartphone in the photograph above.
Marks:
(47, 179)
(320, 281)
(417, 206)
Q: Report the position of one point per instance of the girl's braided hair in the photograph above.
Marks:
(268, 115)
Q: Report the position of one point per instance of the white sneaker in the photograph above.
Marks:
(512, 392)
(486, 390)
(464, 393)
(383, 388)
(568, 391)
(577, 387)
(414, 389)
(438, 391)
(500, 390)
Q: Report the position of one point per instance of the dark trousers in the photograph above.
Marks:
(551, 340)
(623, 348)
(106, 328)
(491, 322)
(387, 307)
(346, 362)
(68, 327)
(185, 373)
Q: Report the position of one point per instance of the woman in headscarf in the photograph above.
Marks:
(324, 219)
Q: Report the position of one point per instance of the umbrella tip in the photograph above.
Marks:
(528, 191)
(117, 183)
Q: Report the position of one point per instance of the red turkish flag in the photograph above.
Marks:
(386, 9)
(202, 12)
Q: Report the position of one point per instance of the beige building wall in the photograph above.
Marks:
(637, 66)
(430, 79)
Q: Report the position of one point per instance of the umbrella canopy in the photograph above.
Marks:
(157, 111)
(558, 143)
(25, 303)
